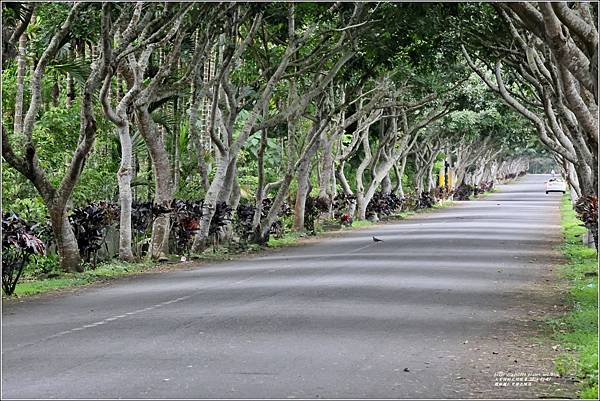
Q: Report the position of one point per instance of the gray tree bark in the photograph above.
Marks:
(20, 88)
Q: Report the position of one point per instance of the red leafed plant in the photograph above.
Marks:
(587, 211)
(19, 242)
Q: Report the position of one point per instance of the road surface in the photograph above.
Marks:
(418, 315)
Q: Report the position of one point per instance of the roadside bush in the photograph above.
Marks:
(221, 218)
(383, 204)
(187, 216)
(442, 192)
(245, 213)
(90, 224)
(242, 223)
(346, 220)
(425, 201)
(486, 186)
(464, 192)
(142, 217)
(342, 203)
(312, 208)
(19, 243)
(587, 211)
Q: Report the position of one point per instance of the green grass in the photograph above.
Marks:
(577, 332)
(33, 286)
(361, 223)
(443, 204)
(286, 240)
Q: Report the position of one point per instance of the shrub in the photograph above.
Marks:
(90, 224)
(442, 192)
(341, 204)
(242, 223)
(464, 192)
(142, 217)
(383, 204)
(587, 211)
(221, 218)
(18, 244)
(187, 216)
(312, 208)
(425, 201)
(346, 220)
(245, 213)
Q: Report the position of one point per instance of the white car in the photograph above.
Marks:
(556, 185)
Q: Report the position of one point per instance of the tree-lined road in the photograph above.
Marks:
(342, 318)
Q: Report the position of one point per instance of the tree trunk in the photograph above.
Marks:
(163, 195)
(261, 182)
(430, 179)
(228, 183)
(210, 204)
(339, 172)
(70, 89)
(230, 194)
(66, 243)
(124, 177)
(419, 182)
(262, 234)
(302, 179)
(386, 184)
(176, 155)
(325, 180)
(361, 204)
(203, 169)
(21, 64)
(399, 189)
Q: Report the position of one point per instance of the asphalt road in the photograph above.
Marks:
(341, 318)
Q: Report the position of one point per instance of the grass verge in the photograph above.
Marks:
(104, 271)
(577, 331)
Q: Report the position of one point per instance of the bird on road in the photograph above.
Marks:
(375, 239)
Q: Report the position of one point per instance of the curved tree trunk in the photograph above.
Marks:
(228, 183)
(361, 203)
(210, 204)
(430, 179)
(399, 189)
(339, 173)
(261, 235)
(386, 184)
